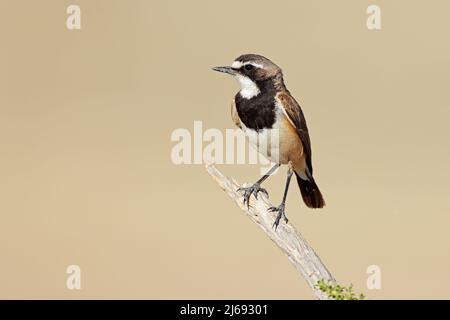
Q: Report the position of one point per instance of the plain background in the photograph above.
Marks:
(86, 176)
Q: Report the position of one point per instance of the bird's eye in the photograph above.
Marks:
(248, 67)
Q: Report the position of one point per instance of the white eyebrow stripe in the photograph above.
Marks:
(239, 64)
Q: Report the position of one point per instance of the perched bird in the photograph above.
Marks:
(264, 106)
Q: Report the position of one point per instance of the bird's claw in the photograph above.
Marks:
(281, 213)
(253, 189)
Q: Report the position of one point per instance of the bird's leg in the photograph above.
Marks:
(256, 187)
(281, 207)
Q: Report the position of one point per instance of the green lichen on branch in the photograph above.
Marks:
(338, 292)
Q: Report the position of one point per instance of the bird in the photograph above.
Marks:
(263, 108)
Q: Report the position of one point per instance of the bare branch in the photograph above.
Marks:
(286, 237)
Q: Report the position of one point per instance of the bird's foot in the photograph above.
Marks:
(281, 213)
(253, 189)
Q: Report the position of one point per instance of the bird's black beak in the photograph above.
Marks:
(228, 70)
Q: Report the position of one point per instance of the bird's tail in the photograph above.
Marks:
(310, 192)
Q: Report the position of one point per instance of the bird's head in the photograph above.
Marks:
(252, 71)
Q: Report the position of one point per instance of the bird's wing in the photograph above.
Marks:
(294, 113)
(234, 115)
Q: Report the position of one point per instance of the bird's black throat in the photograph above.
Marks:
(258, 112)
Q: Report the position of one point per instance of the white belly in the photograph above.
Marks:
(266, 142)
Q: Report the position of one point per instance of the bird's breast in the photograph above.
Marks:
(279, 143)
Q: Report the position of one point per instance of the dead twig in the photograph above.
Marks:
(286, 237)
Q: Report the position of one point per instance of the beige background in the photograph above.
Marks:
(85, 124)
